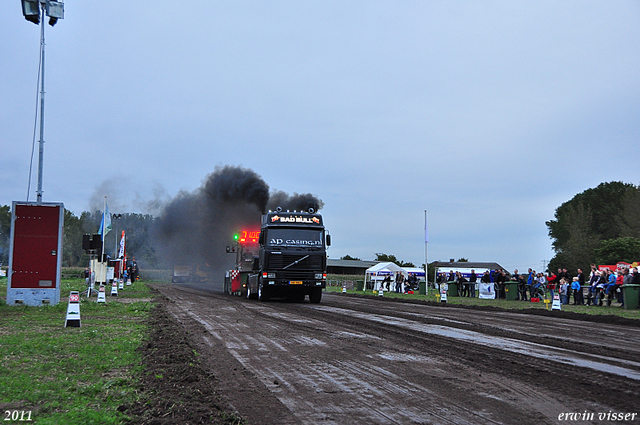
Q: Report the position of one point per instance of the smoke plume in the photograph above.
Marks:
(195, 227)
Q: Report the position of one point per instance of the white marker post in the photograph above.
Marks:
(73, 310)
(101, 295)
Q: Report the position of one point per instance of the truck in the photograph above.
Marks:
(292, 257)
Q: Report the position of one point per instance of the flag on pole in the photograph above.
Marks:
(105, 224)
(121, 251)
(426, 228)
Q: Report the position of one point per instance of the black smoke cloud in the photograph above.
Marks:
(195, 227)
(297, 202)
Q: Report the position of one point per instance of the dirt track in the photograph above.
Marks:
(372, 361)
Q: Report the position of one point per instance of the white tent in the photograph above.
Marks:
(377, 273)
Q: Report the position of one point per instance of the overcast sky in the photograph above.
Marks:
(487, 114)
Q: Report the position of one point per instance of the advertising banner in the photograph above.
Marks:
(486, 291)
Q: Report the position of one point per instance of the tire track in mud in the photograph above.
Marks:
(330, 363)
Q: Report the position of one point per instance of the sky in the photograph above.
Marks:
(482, 116)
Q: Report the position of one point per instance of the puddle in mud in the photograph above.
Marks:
(567, 357)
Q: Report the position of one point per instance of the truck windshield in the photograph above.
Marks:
(294, 238)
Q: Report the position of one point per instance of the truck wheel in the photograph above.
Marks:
(315, 296)
(263, 295)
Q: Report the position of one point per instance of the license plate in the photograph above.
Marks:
(295, 282)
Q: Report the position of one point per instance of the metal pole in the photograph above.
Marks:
(104, 225)
(41, 143)
(426, 264)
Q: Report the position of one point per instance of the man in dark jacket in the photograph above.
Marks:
(473, 278)
(499, 279)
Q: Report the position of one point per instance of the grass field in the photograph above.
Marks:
(56, 375)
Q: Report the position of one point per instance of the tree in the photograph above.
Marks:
(463, 260)
(348, 257)
(72, 253)
(5, 233)
(625, 249)
(578, 249)
(431, 271)
(606, 212)
(629, 219)
(392, 259)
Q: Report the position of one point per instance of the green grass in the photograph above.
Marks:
(72, 375)
(614, 310)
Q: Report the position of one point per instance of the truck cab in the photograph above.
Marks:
(292, 257)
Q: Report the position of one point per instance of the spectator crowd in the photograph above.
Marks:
(596, 288)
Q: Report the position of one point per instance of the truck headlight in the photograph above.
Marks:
(320, 276)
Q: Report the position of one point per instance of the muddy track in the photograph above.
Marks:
(361, 361)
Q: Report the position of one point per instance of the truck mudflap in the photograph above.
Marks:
(292, 290)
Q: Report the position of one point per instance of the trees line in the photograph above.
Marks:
(139, 230)
(600, 225)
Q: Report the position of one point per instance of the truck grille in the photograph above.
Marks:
(311, 263)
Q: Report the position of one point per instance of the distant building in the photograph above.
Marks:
(355, 267)
(453, 265)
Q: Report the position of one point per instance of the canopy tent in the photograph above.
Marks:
(377, 273)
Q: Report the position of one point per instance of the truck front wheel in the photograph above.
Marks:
(315, 296)
(263, 295)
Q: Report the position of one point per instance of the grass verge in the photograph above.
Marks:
(58, 375)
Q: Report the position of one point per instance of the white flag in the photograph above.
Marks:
(121, 251)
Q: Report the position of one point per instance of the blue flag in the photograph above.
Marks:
(105, 224)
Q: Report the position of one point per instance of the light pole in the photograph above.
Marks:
(33, 10)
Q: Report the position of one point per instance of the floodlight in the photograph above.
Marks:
(31, 11)
(55, 11)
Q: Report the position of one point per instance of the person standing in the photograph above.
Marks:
(499, 282)
(473, 278)
(386, 282)
(635, 279)
(530, 280)
(462, 288)
(399, 280)
(133, 270)
(563, 290)
(542, 282)
(577, 291)
(610, 286)
(486, 279)
(522, 286)
(553, 280)
(581, 280)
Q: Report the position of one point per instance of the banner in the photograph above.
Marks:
(486, 291)
(121, 251)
